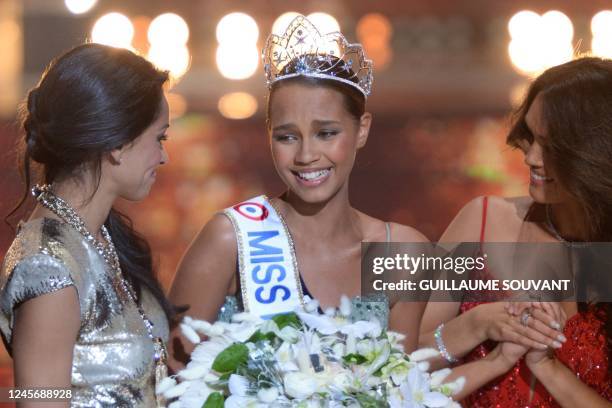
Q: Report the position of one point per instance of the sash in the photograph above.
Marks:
(269, 276)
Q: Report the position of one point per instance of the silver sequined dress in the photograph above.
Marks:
(113, 356)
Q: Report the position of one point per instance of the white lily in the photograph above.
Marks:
(205, 353)
(289, 334)
(437, 377)
(310, 305)
(456, 386)
(195, 395)
(242, 332)
(299, 385)
(193, 371)
(189, 333)
(177, 390)
(424, 354)
(345, 306)
(323, 324)
(361, 329)
(267, 395)
(416, 393)
(164, 385)
(285, 357)
(198, 325)
(246, 317)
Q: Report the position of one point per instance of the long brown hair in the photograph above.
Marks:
(577, 111)
(89, 101)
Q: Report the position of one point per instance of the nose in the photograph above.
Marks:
(164, 156)
(533, 156)
(307, 152)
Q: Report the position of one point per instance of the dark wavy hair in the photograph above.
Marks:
(354, 101)
(577, 111)
(89, 101)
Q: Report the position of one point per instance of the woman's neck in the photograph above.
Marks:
(569, 221)
(332, 218)
(92, 204)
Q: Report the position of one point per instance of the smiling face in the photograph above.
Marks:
(136, 164)
(544, 188)
(314, 139)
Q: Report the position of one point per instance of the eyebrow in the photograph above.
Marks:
(285, 126)
(317, 123)
(325, 122)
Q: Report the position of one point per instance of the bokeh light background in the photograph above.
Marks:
(447, 75)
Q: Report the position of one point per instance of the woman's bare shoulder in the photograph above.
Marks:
(377, 229)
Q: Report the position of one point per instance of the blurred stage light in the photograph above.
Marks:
(601, 24)
(237, 62)
(79, 6)
(539, 42)
(374, 28)
(11, 64)
(237, 28)
(140, 42)
(282, 22)
(524, 25)
(601, 27)
(237, 53)
(177, 104)
(557, 24)
(113, 29)
(168, 28)
(324, 22)
(374, 32)
(237, 105)
(174, 58)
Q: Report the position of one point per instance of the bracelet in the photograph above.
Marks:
(441, 347)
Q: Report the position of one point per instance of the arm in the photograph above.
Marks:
(480, 372)
(565, 387)
(461, 332)
(44, 333)
(487, 321)
(404, 316)
(204, 277)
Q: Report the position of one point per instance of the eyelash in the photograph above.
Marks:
(162, 138)
(328, 133)
(283, 138)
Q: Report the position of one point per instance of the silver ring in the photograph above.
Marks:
(525, 317)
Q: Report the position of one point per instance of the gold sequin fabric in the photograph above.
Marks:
(112, 362)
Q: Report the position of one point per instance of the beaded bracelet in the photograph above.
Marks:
(441, 347)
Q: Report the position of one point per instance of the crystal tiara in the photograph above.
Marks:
(303, 51)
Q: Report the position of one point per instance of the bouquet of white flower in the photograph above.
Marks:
(304, 359)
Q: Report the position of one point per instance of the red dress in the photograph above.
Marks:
(585, 353)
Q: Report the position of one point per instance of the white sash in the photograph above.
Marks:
(269, 277)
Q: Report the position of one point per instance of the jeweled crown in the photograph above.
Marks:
(303, 51)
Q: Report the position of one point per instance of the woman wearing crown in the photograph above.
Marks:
(265, 255)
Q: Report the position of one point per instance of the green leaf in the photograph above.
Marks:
(259, 336)
(354, 358)
(367, 401)
(229, 359)
(287, 319)
(214, 400)
(225, 377)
